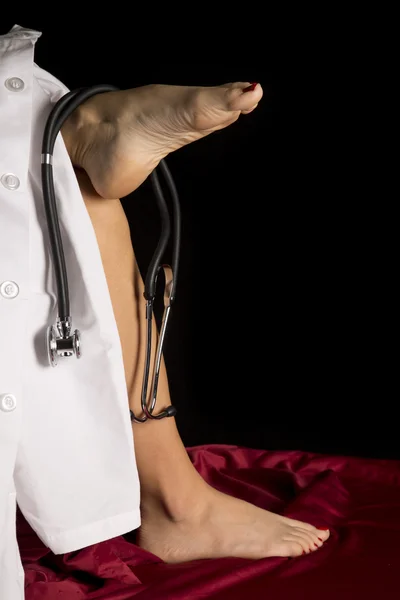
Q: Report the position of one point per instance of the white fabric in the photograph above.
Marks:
(66, 446)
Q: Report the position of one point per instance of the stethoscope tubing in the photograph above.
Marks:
(57, 117)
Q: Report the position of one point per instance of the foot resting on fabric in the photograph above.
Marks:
(119, 138)
(220, 526)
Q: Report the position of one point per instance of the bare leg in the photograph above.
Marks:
(126, 292)
(183, 518)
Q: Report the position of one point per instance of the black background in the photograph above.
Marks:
(277, 335)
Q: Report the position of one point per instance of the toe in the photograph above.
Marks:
(312, 540)
(307, 544)
(318, 536)
(238, 100)
(294, 546)
(208, 109)
(320, 533)
(313, 536)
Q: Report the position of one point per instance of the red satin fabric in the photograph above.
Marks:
(358, 499)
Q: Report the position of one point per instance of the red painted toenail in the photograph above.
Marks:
(320, 540)
(250, 88)
(322, 528)
(316, 545)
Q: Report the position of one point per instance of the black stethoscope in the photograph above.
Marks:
(59, 340)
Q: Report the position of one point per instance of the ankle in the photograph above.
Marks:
(176, 503)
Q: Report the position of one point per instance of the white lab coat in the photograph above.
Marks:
(66, 445)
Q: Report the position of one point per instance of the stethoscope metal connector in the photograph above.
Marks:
(62, 344)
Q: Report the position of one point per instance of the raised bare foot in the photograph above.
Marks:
(119, 138)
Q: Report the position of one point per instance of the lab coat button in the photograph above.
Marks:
(14, 84)
(9, 289)
(7, 402)
(10, 181)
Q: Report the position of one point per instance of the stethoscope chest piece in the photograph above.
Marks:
(62, 345)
